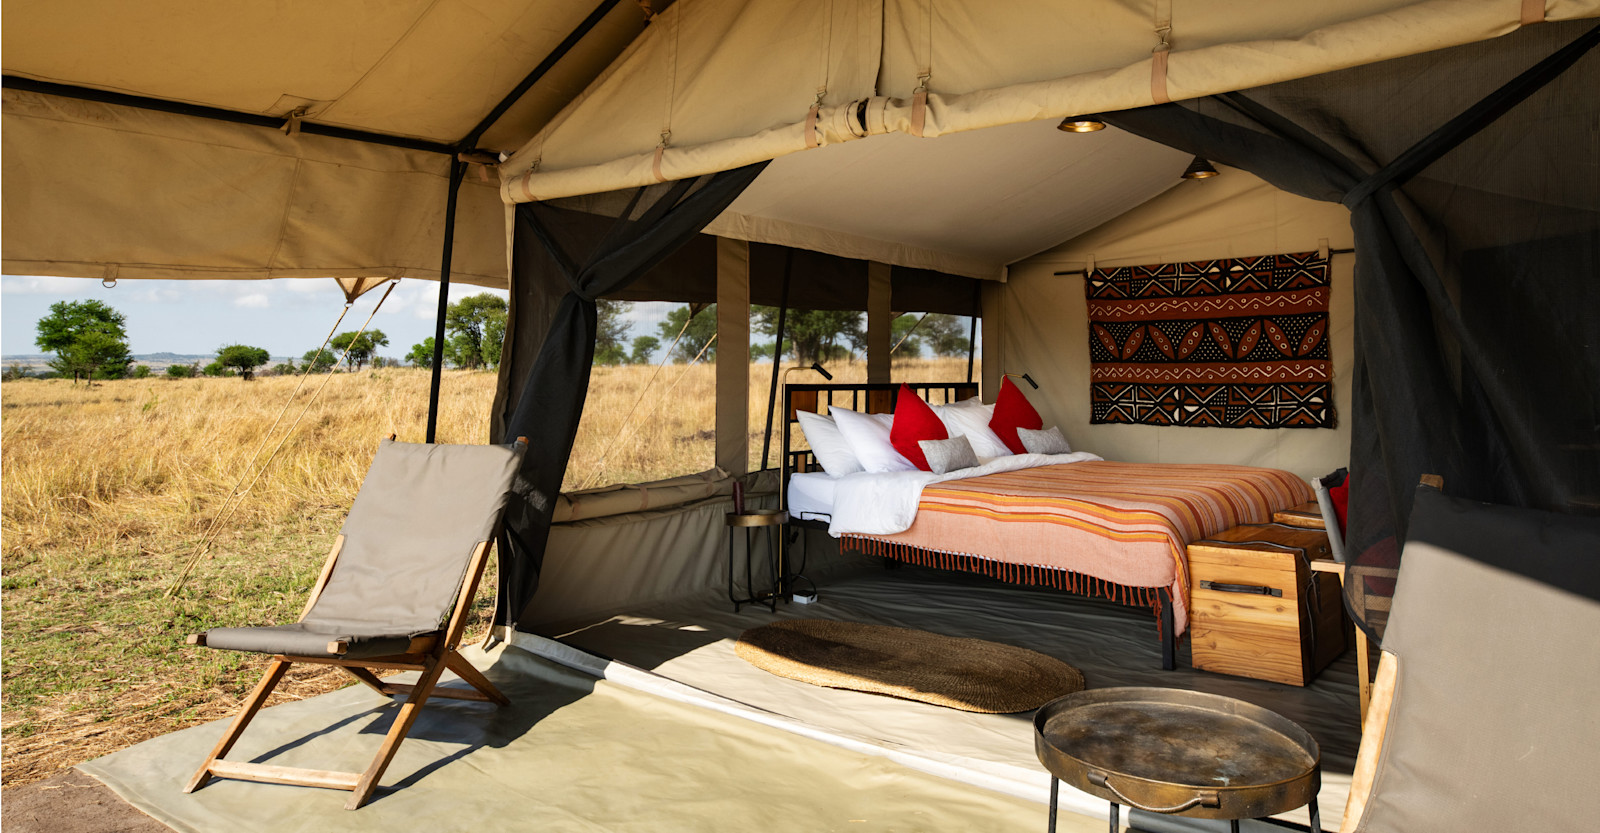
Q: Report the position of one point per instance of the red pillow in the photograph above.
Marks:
(914, 421)
(1339, 496)
(1012, 411)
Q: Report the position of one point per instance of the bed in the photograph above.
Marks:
(1073, 522)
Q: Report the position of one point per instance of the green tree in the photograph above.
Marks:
(359, 347)
(468, 321)
(702, 327)
(285, 368)
(814, 335)
(611, 331)
(217, 368)
(141, 371)
(905, 335)
(421, 355)
(89, 338)
(643, 348)
(319, 360)
(183, 371)
(494, 339)
(946, 335)
(242, 358)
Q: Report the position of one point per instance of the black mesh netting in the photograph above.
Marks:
(1473, 179)
(576, 251)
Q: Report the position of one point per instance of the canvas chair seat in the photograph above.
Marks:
(394, 593)
(302, 639)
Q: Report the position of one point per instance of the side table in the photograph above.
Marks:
(1182, 753)
(752, 521)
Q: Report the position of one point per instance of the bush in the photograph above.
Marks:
(141, 371)
(181, 371)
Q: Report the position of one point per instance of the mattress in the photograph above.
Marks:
(811, 495)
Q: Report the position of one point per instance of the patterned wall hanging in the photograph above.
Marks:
(1238, 343)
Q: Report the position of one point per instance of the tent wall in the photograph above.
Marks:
(1037, 322)
(104, 191)
(804, 75)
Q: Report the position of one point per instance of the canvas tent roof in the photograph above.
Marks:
(101, 190)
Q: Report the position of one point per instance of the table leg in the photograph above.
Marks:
(1116, 817)
(1233, 826)
(1363, 671)
(1316, 817)
(1055, 788)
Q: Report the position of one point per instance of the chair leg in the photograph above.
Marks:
(397, 733)
(465, 670)
(269, 681)
(372, 681)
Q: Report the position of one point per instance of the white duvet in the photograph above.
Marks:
(883, 503)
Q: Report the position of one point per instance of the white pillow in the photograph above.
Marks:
(828, 444)
(868, 436)
(970, 418)
(1046, 441)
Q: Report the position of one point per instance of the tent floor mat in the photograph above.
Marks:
(686, 647)
(570, 753)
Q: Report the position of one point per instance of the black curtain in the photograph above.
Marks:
(596, 246)
(1473, 179)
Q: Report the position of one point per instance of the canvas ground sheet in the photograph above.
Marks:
(1230, 343)
(571, 753)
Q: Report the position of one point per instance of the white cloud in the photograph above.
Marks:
(40, 285)
(255, 300)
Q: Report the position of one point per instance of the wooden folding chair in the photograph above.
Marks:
(395, 593)
(1482, 715)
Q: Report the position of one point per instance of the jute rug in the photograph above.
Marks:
(968, 674)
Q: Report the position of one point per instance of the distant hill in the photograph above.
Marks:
(158, 361)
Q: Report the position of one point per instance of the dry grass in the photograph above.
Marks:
(108, 490)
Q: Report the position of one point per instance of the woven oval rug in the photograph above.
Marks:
(972, 675)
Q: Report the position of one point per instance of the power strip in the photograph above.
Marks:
(804, 598)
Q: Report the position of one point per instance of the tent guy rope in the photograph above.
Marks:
(235, 498)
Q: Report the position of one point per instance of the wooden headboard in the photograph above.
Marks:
(866, 397)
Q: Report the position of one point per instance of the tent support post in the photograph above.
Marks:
(458, 170)
(777, 359)
(972, 336)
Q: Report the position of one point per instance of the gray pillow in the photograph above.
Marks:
(1047, 441)
(945, 456)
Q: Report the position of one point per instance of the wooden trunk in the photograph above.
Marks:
(1259, 610)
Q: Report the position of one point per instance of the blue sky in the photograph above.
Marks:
(286, 316)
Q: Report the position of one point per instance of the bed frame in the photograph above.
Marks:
(879, 398)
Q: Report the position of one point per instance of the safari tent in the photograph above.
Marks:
(883, 157)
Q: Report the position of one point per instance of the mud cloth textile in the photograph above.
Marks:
(1233, 343)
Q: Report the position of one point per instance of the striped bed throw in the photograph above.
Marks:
(1118, 530)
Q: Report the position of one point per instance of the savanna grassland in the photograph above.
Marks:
(107, 492)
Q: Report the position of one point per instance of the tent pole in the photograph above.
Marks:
(777, 359)
(972, 336)
(458, 170)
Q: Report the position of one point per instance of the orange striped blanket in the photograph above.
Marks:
(1112, 527)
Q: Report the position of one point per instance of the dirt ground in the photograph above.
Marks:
(71, 803)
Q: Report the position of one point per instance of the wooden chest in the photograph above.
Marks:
(1258, 609)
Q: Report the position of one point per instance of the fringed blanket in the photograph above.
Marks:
(1237, 343)
(1117, 530)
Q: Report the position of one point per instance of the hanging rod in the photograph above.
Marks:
(1331, 253)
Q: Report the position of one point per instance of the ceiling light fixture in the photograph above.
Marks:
(1081, 124)
(1199, 169)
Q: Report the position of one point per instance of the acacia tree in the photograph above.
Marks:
(471, 323)
(643, 348)
(611, 329)
(319, 360)
(814, 335)
(89, 338)
(243, 358)
(360, 346)
(702, 327)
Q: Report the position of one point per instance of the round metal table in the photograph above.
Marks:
(1178, 752)
(750, 521)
